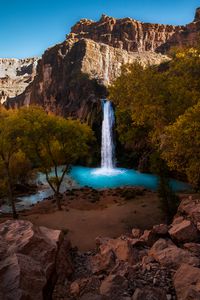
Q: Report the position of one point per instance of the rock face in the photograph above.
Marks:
(187, 282)
(150, 265)
(30, 260)
(127, 34)
(15, 76)
(37, 263)
(72, 77)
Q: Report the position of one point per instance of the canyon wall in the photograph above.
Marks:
(15, 76)
(73, 76)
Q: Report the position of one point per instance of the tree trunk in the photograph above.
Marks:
(58, 202)
(10, 197)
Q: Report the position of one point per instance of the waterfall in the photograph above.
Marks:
(107, 145)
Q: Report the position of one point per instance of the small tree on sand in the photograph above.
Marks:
(51, 141)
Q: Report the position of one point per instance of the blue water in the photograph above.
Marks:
(84, 176)
(91, 177)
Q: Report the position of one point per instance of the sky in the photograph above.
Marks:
(28, 27)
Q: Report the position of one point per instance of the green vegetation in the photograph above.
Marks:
(31, 137)
(181, 145)
(158, 114)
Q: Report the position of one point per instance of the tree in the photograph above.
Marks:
(11, 156)
(180, 145)
(154, 97)
(169, 200)
(51, 141)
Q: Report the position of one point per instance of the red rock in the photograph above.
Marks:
(75, 288)
(94, 49)
(161, 229)
(193, 247)
(102, 262)
(191, 208)
(136, 233)
(148, 237)
(184, 231)
(169, 255)
(198, 226)
(121, 248)
(187, 283)
(28, 259)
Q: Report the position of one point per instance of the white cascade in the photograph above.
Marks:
(107, 144)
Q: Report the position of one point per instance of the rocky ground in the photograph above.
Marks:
(89, 212)
(158, 264)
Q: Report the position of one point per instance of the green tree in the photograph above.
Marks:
(51, 141)
(12, 161)
(180, 145)
(154, 97)
(157, 95)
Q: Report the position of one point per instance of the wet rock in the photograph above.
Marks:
(187, 283)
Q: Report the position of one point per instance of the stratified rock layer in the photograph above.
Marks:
(73, 76)
(15, 76)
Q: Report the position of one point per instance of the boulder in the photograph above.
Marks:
(193, 247)
(161, 229)
(191, 208)
(169, 255)
(28, 261)
(121, 248)
(102, 261)
(148, 237)
(187, 283)
(185, 231)
(136, 233)
(148, 293)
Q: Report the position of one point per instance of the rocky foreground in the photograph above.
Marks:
(162, 263)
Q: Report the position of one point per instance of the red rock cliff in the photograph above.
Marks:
(72, 76)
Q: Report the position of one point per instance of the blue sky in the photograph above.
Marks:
(28, 27)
